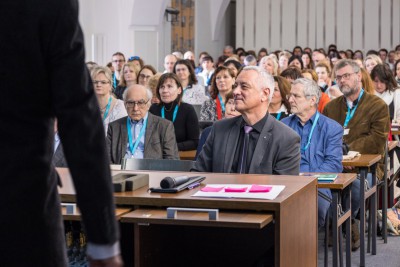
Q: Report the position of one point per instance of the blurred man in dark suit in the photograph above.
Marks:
(43, 40)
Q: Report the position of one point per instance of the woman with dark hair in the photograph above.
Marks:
(296, 61)
(182, 115)
(222, 83)
(233, 65)
(193, 92)
(262, 53)
(145, 74)
(279, 106)
(386, 88)
(307, 62)
(334, 56)
(397, 71)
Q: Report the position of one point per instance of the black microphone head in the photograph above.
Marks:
(167, 182)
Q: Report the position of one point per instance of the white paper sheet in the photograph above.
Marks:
(276, 189)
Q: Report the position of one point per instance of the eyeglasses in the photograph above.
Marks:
(118, 60)
(100, 82)
(288, 96)
(133, 58)
(345, 76)
(144, 76)
(141, 103)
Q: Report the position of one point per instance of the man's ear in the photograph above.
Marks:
(265, 94)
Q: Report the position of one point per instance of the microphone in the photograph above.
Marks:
(171, 182)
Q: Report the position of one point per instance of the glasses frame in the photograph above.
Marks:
(139, 104)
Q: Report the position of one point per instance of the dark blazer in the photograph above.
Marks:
(159, 141)
(59, 158)
(277, 150)
(47, 47)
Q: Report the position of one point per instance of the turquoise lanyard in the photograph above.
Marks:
(173, 116)
(222, 103)
(350, 113)
(107, 108)
(311, 132)
(133, 147)
(115, 81)
(278, 117)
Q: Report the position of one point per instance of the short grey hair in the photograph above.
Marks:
(149, 94)
(310, 88)
(347, 62)
(265, 80)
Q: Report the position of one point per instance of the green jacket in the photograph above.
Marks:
(369, 126)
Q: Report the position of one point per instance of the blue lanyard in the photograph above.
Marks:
(278, 117)
(350, 113)
(115, 81)
(311, 132)
(107, 108)
(221, 102)
(133, 147)
(173, 116)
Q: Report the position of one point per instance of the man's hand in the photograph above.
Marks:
(115, 261)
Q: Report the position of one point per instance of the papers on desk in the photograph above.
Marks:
(269, 192)
(351, 155)
(326, 177)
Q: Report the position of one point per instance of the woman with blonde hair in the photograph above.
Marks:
(269, 64)
(371, 61)
(111, 109)
(129, 76)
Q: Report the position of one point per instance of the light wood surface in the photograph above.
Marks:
(392, 145)
(294, 210)
(187, 155)
(364, 160)
(341, 182)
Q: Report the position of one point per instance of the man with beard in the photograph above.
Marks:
(365, 119)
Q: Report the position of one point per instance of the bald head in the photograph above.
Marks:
(169, 62)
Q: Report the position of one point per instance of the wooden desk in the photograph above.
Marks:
(340, 189)
(187, 155)
(76, 216)
(294, 211)
(365, 162)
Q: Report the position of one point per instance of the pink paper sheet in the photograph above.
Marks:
(259, 189)
(211, 189)
(235, 190)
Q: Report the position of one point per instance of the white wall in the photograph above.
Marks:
(282, 24)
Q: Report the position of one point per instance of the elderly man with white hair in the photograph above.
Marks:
(140, 134)
(254, 142)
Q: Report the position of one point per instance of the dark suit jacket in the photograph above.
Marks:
(59, 158)
(277, 150)
(159, 141)
(46, 47)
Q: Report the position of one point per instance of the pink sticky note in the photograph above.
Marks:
(259, 189)
(211, 189)
(235, 190)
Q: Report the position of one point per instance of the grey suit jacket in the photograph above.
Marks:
(160, 141)
(277, 150)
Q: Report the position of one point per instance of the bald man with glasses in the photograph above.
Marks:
(140, 134)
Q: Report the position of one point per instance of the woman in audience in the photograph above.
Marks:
(296, 61)
(111, 108)
(307, 62)
(269, 64)
(358, 55)
(222, 83)
(386, 88)
(233, 65)
(367, 82)
(129, 76)
(152, 85)
(284, 60)
(137, 61)
(334, 56)
(231, 112)
(279, 106)
(371, 61)
(262, 53)
(193, 92)
(323, 71)
(312, 75)
(145, 74)
(182, 115)
(396, 69)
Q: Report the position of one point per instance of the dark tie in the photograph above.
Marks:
(243, 163)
